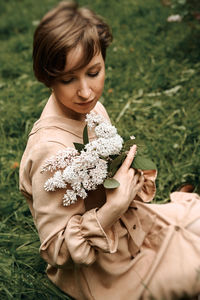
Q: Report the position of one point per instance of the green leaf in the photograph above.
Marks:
(143, 163)
(85, 135)
(129, 143)
(78, 146)
(111, 183)
(140, 162)
(116, 163)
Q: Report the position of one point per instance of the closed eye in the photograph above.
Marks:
(93, 74)
(67, 81)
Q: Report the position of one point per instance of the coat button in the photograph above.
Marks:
(177, 228)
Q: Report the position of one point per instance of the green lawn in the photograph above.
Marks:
(152, 91)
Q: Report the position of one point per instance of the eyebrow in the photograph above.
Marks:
(95, 65)
(71, 72)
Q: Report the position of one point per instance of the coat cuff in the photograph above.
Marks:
(149, 188)
(84, 235)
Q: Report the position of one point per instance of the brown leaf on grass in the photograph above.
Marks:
(110, 91)
(15, 165)
(166, 2)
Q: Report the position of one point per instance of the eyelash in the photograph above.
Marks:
(70, 80)
(94, 74)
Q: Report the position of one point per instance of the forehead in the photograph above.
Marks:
(76, 59)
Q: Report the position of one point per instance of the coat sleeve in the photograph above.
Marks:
(67, 234)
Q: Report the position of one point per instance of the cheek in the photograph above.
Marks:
(64, 92)
(100, 84)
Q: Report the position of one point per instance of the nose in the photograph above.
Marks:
(84, 90)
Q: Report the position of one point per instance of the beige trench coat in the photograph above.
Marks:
(149, 252)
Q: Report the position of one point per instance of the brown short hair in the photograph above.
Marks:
(61, 30)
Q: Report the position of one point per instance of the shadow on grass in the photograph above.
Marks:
(188, 48)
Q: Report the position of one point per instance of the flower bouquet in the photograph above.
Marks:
(84, 167)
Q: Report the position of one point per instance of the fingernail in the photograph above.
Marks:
(133, 148)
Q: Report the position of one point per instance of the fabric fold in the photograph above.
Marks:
(149, 188)
(84, 235)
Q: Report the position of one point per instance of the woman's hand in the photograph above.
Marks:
(119, 199)
(130, 183)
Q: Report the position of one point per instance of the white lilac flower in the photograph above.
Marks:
(76, 186)
(88, 157)
(55, 182)
(105, 147)
(85, 173)
(86, 170)
(58, 179)
(69, 197)
(70, 174)
(49, 185)
(93, 119)
(88, 184)
(60, 160)
(105, 130)
(99, 172)
(90, 169)
(82, 163)
(82, 193)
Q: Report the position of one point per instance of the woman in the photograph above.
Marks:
(111, 245)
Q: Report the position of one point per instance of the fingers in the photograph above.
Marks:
(138, 181)
(130, 156)
(136, 178)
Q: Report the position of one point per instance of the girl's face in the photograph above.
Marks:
(78, 92)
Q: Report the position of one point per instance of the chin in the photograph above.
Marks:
(87, 110)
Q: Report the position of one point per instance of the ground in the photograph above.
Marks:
(151, 91)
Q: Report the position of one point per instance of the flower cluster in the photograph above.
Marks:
(84, 170)
(60, 161)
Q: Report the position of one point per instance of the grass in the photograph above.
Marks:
(152, 91)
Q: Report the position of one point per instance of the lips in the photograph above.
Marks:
(85, 103)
